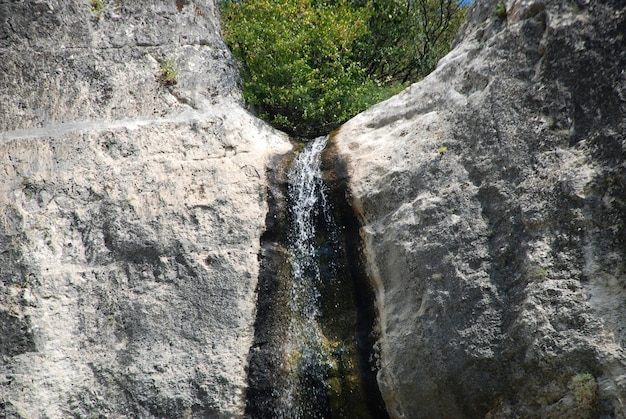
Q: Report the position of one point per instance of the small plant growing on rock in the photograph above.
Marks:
(442, 149)
(500, 10)
(168, 74)
(97, 6)
(584, 387)
(536, 273)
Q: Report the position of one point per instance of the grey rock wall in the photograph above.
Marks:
(493, 199)
(130, 212)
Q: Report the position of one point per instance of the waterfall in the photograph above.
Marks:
(311, 357)
(303, 347)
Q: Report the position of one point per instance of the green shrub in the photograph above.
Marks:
(406, 39)
(301, 61)
(296, 61)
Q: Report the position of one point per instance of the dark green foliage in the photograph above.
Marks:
(309, 65)
(406, 38)
(500, 10)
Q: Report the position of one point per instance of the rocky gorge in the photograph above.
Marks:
(491, 197)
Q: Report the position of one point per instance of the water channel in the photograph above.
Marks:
(313, 354)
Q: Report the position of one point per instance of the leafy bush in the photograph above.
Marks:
(406, 39)
(302, 61)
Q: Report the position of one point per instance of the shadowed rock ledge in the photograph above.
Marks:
(131, 212)
(493, 199)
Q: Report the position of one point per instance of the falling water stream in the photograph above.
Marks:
(313, 335)
(306, 362)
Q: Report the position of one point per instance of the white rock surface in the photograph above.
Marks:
(492, 195)
(131, 213)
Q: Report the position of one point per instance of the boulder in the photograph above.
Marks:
(132, 201)
(492, 196)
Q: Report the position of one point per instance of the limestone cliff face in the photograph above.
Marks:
(130, 212)
(493, 197)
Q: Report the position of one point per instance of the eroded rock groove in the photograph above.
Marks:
(313, 348)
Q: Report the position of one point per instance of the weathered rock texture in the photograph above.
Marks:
(130, 212)
(493, 197)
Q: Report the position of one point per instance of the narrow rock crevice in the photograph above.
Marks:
(342, 381)
(367, 332)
